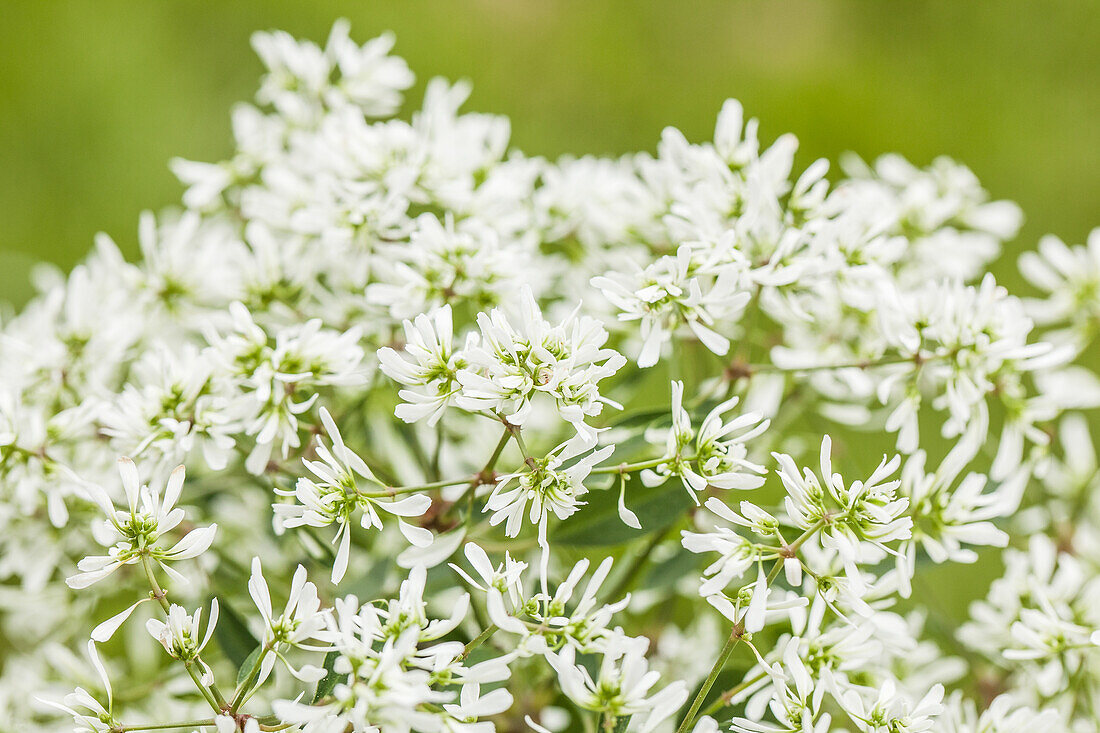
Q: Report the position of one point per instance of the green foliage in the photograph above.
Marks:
(328, 682)
(233, 636)
(247, 665)
(598, 524)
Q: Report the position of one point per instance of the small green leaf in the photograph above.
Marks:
(639, 418)
(247, 665)
(233, 636)
(621, 724)
(598, 523)
(328, 682)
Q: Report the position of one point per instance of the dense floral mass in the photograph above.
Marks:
(346, 449)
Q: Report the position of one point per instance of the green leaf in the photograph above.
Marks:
(598, 523)
(369, 586)
(621, 724)
(247, 665)
(232, 634)
(639, 418)
(327, 683)
(665, 575)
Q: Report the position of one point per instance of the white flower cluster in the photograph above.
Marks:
(401, 358)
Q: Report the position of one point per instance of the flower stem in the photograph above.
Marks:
(620, 468)
(492, 462)
(164, 726)
(202, 688)
(917, 359)
(443, 483)
(478, 641)
(641, 465)
(211, 693)
(719, 664)
(724, 699)
(242, 691)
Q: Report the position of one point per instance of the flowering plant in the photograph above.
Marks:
(399, 382)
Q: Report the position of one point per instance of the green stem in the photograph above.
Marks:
(719, 664)
(242, 691)
(641, 465)
(398, 490)
(810, 532)
(724, 699)
(522, 447)
(165, 726)
(443, 483)
(509, 432)
(437, 454)
(212, 694)
(491, 464)
(478, 641)
(202, 688)
(865, 364)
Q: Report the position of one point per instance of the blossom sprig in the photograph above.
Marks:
(133, 533)
(300, 623)
(517, 359)
(669, 294)
(431, 362)
(544, 487)
(89, 714)
(715, 455)
(180, 635)
(622, 687)
(333, 495)
(857, 520)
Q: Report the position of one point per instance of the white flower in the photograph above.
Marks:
(514, 363)
(585, 625)
(858, 520)
(180, 635)
(545, 485)
(622, 687)
(736, 553)
(797, 710)
(946, 516)
(430, 362)
(445, 264)
(1004, 715)
(95, 718)
(173, 406)
(133, 533)
(303, 80)
(472, 706)
(1071, 278)
(891, 712)
(670, 293)
(715, 456)
(499, 582)
(334, 495)
(278, 377)
(299, 622)
(408, 610)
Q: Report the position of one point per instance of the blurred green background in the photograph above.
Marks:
(96, 96)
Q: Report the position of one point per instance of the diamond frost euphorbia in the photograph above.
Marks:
(363, 315)
(131, 535)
